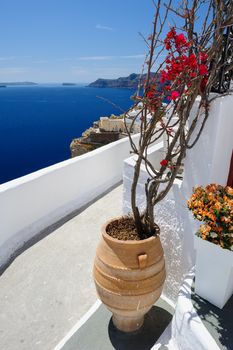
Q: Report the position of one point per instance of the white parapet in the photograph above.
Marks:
(33, 202)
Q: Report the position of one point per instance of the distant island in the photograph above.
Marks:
(130, 82)
(18, 83)
(68, 84)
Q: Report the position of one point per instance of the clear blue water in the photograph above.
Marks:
(37, 123)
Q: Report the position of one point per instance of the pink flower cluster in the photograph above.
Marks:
(182, 66)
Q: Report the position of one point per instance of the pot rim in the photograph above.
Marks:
(121, 241)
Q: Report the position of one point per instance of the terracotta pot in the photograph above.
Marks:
(129, 277)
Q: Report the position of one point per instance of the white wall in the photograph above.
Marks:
(207, 162)
(35, 201)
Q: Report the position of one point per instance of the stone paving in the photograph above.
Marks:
(49, 287)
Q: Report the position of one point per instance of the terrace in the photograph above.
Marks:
(50, 226)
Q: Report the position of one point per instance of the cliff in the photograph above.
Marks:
(103, 131)
(124, 82)
(91, 141)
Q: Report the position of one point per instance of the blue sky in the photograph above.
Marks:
(72, 40)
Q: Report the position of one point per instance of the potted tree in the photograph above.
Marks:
(213, 205)
(129, 269)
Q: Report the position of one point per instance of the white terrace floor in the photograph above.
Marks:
(49, 287)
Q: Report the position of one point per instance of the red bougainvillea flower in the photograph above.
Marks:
(203, 57)
(175, 95)
(180, 40)
(150, 94)
(163, 77)
(171, 34)
(193, 74)
(167, 87)
(164, 162)
(203, 70)
(182, 67)
(167, 45)
(192, 61)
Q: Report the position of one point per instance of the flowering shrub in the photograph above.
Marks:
(214, 206)
(180, 67)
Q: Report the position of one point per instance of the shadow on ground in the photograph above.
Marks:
(155, 323)
(217, 321)
(99, 333)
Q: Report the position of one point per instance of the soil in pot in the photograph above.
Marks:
(124, 229)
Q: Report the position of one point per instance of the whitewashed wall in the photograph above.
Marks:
(208, 161)
(33, 202)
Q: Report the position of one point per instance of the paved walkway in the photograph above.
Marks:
(217, 321)
(49, 287)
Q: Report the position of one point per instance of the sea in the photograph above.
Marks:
(38, 123)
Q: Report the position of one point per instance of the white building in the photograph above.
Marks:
(117, 124)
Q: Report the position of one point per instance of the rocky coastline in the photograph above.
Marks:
(102, 132)
(93, 138)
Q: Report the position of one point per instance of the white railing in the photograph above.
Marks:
(33, 202)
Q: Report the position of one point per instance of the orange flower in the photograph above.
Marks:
(213, 204)
(229, 190)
